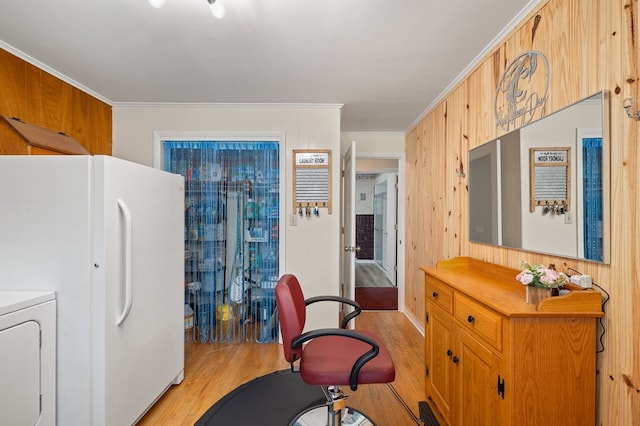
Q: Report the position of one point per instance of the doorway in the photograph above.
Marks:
(376, 212)
(233, 217)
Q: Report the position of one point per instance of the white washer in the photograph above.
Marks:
(28, 358)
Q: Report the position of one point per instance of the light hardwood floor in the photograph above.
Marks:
(213, 370)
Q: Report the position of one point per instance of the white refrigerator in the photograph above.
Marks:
(107, 236)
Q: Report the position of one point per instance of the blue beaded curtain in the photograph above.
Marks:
(592, 198)
(231, 237)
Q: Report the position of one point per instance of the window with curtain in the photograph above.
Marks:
(592, 198)
(232, 199)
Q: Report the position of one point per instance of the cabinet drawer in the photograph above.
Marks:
(484, 322)
(439, 293)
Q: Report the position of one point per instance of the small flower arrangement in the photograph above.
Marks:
(541, 276)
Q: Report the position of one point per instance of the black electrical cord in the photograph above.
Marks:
(601, 319)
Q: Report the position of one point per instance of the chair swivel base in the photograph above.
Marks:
(319, 416)
(334, 412)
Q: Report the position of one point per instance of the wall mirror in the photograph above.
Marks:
(544, 187)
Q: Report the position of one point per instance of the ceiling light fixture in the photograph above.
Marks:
(217, 8)
(157, 3)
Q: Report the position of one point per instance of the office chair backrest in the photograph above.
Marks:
(292, 314)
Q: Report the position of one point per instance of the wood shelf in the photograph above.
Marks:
(22, 138)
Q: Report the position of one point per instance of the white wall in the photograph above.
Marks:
(372, 142)
(377, 165)
(312, 247)
(364, 186)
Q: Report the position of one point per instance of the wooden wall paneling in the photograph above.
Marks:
(39, 98)
(455, 183)
(56, 103)
(413, 196)
(97, 132)
(440, 202)
(90, 122)
(422, 235)
(634, 203)
(426, 152)
(32, 93)
(12, 143)
(12, 85)
(591, 45)
(481, 87)
(435, 149)
(74, 112)
(421, 217)
(552, 39)
(426, 160)
(76, 118)
(619, 401)
(595, 34)
(61, 106)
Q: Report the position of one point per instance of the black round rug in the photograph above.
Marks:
(271, 400)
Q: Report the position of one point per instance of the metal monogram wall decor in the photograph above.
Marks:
(517, 100)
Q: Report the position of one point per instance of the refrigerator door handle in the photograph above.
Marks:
(128, 282)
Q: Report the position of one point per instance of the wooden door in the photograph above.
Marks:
(479, 400)
(438, 354)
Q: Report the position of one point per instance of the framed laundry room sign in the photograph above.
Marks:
(550, 177)
(311, 179)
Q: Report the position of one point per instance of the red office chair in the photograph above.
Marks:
(330, 357)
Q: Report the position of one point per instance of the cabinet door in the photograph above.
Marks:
(439, 352)
(20, 372)
(477, 378)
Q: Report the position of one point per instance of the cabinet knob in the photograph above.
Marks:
(470, 318)
(449, 353)
(435, 294)
(455, 359)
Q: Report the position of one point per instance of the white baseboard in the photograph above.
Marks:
(416, 323)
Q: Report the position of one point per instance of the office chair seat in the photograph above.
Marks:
(329, 360)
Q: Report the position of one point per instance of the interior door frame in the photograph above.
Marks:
(401, 196)
(160, 136)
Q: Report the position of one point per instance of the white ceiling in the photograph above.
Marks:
(386, 62)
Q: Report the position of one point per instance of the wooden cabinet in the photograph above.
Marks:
(492, 359)
(460, 368)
